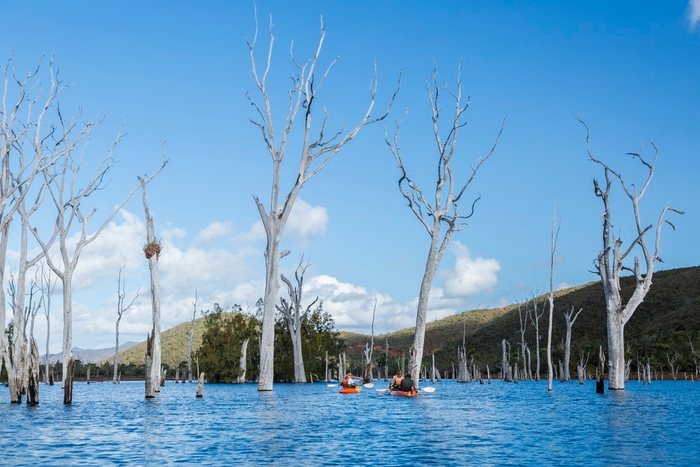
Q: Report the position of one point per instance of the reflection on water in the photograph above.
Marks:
(312, 424)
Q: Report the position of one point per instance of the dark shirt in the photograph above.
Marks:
(407, 385)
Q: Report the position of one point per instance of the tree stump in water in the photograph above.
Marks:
(68, 383)
(200, 385)
(600, 373)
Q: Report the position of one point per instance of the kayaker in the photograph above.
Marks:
(395, 384)
(407, 384)
(348, 382)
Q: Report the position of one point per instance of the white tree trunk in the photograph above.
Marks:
(152, 251)
(315, 154)
(244, 360)
(610, 260)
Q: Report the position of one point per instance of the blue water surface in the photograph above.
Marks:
(312, 424)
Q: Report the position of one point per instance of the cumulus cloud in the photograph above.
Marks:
(305, 222)
(213, 232)
(693, 13)
(470, 276)
(119, 244)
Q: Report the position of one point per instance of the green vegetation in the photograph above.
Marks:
(219, 355)
(318, 337)
(663, 327)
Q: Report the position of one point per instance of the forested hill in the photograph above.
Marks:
(663, 323)
(668, 318)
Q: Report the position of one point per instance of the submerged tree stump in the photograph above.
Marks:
(150, 384)
(600, 373)
(68, 383)
(33, 376)
(200, 385)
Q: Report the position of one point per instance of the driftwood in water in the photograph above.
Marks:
(200, 385)
(68, 383)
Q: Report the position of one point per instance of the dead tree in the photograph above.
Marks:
(535, 316)
(29, 143)
(152, 250)
(151, 383)
(600, 373)
(243, 362)
(190, 338)
(555, 235)
(570, 320)
(121, 308)
(583, 365)
(523, 345)
(369, 348)
(47, 287)
(610, 261)
(33, 375)
(315, 153)
(442, 208)
(62, 182)
(293, 314)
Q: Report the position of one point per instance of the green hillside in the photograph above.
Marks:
(663, 323)
(173, 345)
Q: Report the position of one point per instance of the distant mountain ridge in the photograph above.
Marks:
(672, 305)
(90, 355)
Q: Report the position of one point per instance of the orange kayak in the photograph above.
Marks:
(404, 393)
(355, 390)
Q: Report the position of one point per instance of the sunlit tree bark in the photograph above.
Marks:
(610, 261)
(315, 152)
(440, 207)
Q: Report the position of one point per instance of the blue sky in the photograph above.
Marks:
(180, 71)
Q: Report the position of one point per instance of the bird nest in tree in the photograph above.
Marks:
(152, 249)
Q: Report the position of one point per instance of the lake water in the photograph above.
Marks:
(312, 424)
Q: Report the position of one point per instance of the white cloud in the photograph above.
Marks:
(693, 13)
(305, 222)
(212, 232)
(470, 276)
(119, 244)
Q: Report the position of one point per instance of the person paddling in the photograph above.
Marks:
(348, 382)
(407, 384)
(395, 384)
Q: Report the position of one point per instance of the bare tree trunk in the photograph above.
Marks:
(295, 317)
(609, 263)
(244, 360)
(315, 154)
(152, 251)
(151, 382)
(200, 385)
(190, 338)
(445, 208)
(555, 235)
(68, 382)
(33, 375)
(600, 373)
(369, 348)
(570, 320)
